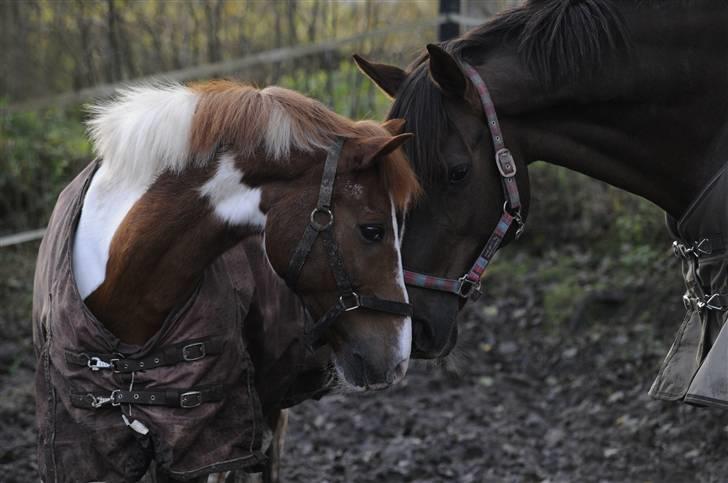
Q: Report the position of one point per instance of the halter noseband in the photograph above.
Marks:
(321, 222)
(468, 285)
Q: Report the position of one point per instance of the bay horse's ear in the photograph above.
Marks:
(394, 126)
(387, 77)
(446, 73)
(375, 147)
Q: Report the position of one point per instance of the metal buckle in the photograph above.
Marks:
(95, 363)
(700, 249)
(708, 304)
(190, 399)
(468, 288)
(697, 249)
(325, 211)
(352, 297)
(506, 164)
(197, 345)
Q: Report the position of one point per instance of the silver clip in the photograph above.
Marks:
(95, 363)
(521, 224)
(708, 304)
(99, 401)
(697, 249)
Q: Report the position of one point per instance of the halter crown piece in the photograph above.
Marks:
(321, 222)
(468, 286)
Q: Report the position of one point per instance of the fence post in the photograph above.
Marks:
(449, 29)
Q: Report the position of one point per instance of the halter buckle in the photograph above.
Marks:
(349, 301)
(468, 288)
(506, 164)
(323, 211)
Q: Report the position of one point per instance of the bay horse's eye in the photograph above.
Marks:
(372, 232)
(458, 173)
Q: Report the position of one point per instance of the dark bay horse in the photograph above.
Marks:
(150, 235)
(633, 93)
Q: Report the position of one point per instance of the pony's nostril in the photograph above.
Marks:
(396, 374)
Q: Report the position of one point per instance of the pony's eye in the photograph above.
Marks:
(458, 173)
(372, 232)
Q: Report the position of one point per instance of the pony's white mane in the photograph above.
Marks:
(146, 130)
(143, 131)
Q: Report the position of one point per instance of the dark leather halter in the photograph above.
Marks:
(321, 223)
(468, 285)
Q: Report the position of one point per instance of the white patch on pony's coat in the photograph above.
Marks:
(234, 202)
(405, 334)
(104, 208)
(355, 190)
(143, 132)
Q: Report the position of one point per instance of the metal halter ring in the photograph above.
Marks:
(517, 217)
(324, 211)
(468, 288)
(349, 301)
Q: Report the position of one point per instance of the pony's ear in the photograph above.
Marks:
(394, 126)
(446, 73)
(378, 146)
(387, 77)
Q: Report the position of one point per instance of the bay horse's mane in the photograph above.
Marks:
(559, 41)
(147, 130)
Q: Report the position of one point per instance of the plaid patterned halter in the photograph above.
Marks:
(468, 286)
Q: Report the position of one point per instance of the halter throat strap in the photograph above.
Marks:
(468, 286)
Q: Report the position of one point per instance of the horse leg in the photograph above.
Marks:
(279, 421)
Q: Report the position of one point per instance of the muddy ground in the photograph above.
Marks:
(528, 396)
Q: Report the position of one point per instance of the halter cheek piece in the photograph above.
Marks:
(468, 286)
(321, 222)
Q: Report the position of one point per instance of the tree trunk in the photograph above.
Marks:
(113, 64)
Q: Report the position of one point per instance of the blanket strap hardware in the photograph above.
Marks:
(697, 249)
(187, 351)
(714, 301)
(185, 399)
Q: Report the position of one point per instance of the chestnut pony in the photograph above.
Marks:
(188, 172)
(631, 93)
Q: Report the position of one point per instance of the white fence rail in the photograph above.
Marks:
(22, 237)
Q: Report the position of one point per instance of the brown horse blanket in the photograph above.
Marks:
(696, 367)
(189, 397)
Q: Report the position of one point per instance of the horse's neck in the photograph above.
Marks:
(648, 125)
(139, 252)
